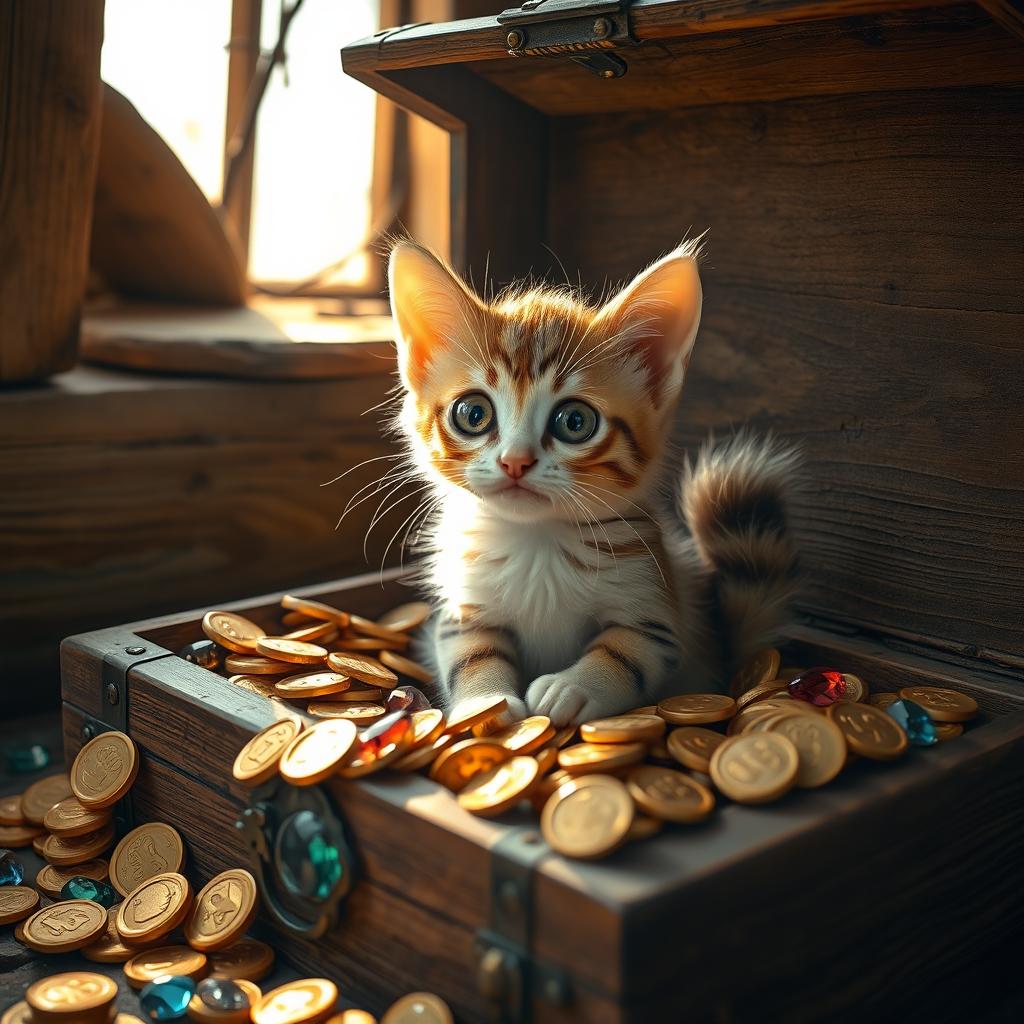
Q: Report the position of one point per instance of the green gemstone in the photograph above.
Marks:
(82, 888)
(25, 760)
(310, 864)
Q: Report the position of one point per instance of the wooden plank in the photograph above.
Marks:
(862, 298)
(1007, 13)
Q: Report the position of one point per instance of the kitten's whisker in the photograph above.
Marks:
(408, 519)
(381, 482)
(644, 512)
(378, 516)
(359, 465)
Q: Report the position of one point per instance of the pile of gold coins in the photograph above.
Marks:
(616, 779)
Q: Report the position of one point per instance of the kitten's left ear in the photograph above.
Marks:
(658, 314)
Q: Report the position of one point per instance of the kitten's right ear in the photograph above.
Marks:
(433, 310)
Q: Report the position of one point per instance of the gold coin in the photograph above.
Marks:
(108, 948)
(104, 770)
(65, 926)
(79, 996)
(315, 609)
(461, 762)
(564, 735)
(644, 827)
(883, 700)
(473, 712)
(427, 726)
(367, 627)
(235, 632)
(819, 743)
(584, 758)
(760, 669)
(693, 746)
(367, 643)
(588, 818)
(315, 754)
(856, 688)
(358, 666)
(51, 879)
(499, 790)
(293, 651)
(147, 851)
(755, 769)
(199, 1011)
(546, 759)
(360, 712)
(352, 1017)
(752, 712)
(298, 1002)
(941, 704)
(10, 810)
(257, 761)
(42, 795)
(526, 736)
(669, 794)
(418, 1008)
(869, 731)
(647, 709)
(17, 836)
(697, 708)
(223, 910)
(547, 786)
(259, 685)
(406, 666)
(623, 729)
(155, 908)
(295, 619)
(70, 818)
(423, 756)
(180, 961)
(247, 959)
(77, 850)
(17, 902)
(759, 693)
(312, 684)
(948, 730)
(355, 695)
(254, 665)
(19, 1013)
(375, 758)
(325, 632)
(405, 617)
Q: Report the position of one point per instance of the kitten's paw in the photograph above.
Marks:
(559, 697)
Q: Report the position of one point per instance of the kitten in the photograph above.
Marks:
(541, 424)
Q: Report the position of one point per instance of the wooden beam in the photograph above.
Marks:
(1008, 13)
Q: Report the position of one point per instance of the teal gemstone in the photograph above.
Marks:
(310, 864)
(12, 871)
(203, 652)
(167, 997)
(915, 722)
(222, 994)
(82, 888)
(26, 760)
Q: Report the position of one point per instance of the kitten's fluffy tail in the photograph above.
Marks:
(735, 502)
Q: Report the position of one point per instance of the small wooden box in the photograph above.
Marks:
(858, 164)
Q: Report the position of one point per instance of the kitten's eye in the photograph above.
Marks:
(573, 422)
(473, 414)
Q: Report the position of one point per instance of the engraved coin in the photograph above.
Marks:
(147, 851)
(356, 695)
(761, 668)
(17, 836)
(180, 961)
(42, 795)
(526, 736)
(254, 665)
(466, 759)
(856, 688)
(818, 741)
(359, 666)
(108, 948)
(668, 794)
(585, 758)
(104, 770)
(77, 849)
(248, 958)
(869, 731)
(758, 693)
(405, 617)
(222, 911)
(315, 754)
(257, 761)
(325, 632)
(293, 651)
(589, 817)
(80, 996)
(298, 1002)
(693, 746)
(624, 729)
(155, 908)
(754, 769)
(10, 810)
(17, 902)
(427, 726)
(418, 1008)
(315, 609)
(883, 700)
(406, 666)
(697, 708)
(497, 791)
(473, 712)
(262, 686)
(941, 704)
(70, 818)
(235, 632)
(312, 684)
(65, 926)
(19, 1013)
(360, 712)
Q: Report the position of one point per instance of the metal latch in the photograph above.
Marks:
(585, 32)
(508, 975)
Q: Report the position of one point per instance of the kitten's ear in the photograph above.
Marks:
(431, 307)
(658, 314)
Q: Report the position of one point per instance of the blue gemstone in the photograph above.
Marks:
(203, 652)
(11, 870)
(167, 997)
(25, 760)
(222, 994)
(310, 863)
(915, 722)
(82, 888)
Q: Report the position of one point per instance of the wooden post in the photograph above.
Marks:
(49, 143)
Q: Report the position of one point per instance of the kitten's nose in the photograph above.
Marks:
(516, 462)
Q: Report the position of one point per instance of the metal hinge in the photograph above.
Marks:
(508, 974)
(584, 32)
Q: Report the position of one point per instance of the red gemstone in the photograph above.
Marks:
(407, 698)
(819, 686)
(375, 739)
